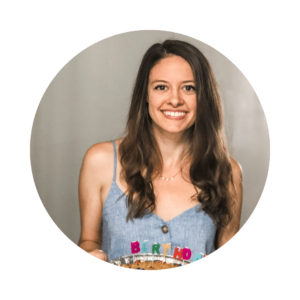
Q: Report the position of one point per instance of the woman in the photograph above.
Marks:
(170, 179)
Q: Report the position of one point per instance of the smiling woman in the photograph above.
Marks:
(172, 95)
(170, 179)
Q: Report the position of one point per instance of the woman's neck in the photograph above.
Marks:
(173, 147)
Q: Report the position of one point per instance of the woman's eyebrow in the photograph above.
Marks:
(154, 81)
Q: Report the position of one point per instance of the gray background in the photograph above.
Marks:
(87, 103)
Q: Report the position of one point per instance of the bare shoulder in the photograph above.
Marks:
(119, 141)
(101, 156)
(99, 153)
(98, 162)
(237, 188)
(237, 172)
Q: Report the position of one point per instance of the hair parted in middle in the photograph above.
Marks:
(210, 169)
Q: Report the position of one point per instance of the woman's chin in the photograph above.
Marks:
(169, 131)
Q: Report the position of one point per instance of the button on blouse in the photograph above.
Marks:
(165, 229)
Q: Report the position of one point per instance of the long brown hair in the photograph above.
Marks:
(210, 169)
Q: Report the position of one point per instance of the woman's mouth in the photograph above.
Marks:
(174, 115)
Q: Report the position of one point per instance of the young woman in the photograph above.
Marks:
(170, 179)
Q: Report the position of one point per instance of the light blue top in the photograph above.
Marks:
(193, 229)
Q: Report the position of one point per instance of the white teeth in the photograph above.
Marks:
(174, 114)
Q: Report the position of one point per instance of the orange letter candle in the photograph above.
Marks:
(166, 247)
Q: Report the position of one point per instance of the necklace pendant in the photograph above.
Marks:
(167, 179)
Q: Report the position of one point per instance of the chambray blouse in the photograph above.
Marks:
(193, 228)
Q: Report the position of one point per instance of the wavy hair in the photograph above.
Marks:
(210, 168)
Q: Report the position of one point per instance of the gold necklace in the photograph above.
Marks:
(167, 179)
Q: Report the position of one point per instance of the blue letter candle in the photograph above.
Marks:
(198, 256)
(144, 246)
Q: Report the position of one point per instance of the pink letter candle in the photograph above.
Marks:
(135, 247)
(186, 254)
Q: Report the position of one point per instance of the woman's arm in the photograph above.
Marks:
(92, 180)
(226, 233)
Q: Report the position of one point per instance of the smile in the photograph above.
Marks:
(174, 115)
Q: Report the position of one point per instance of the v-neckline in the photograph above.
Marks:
(177, 215)
(159, 218)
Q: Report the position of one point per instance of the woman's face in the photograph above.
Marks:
(172, 97)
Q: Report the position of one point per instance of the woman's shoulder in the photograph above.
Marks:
(236, 168)
(99, 158)
(98, 164)
(101, 154)
(237, 177)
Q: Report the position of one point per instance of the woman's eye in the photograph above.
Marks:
(160, 87)
(189, 88)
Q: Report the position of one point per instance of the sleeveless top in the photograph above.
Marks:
(193, 229)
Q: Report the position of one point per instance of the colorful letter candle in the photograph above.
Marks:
(186, 253)
(198, 256)
(166, 247)
(135, 247)
(155, 248)
(144, 246)
(178, 253)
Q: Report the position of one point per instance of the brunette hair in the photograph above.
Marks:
(140, 156)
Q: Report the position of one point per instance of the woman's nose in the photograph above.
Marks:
(175, 98)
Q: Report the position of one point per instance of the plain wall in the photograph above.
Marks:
(87, 103)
